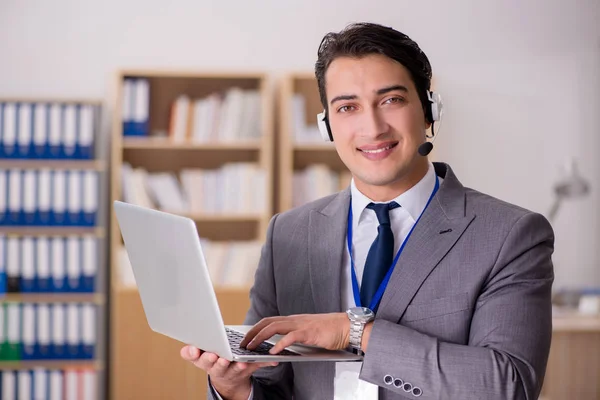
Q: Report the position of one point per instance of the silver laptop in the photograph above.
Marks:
(177, 293)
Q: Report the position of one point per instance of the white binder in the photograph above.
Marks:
(25, 133)
(56, 385)
(58, 266)
(55, 133)
(59, 197)
(74, 197)
(9, 385)
(44, 204)
(73, 264)
(9, 132)
(29, 197)
(27, 283)
(40, 130)
(70, 131)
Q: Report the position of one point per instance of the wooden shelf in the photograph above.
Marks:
(96, 298)
(131, 338)
(54, 164)
(50, 231)
(167, 144)
(314, 147)
(576, 323)
(219, 290)
(225, 217)
(191, 74)
(58, 364)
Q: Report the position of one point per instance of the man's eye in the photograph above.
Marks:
(345, 108)
(395, 100)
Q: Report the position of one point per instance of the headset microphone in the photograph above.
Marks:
(425, 148)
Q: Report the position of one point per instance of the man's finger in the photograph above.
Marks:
(287, 340)
(190, 353)
(206, 361)
(253, 367)
(259, 326)
(281, 327)
(219, 369)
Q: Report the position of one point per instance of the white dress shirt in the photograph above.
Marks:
(365, 224)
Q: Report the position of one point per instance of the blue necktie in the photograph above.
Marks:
(381, 253)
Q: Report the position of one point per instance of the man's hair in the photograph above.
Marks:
(363, 39)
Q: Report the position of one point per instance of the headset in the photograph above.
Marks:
(433, 113)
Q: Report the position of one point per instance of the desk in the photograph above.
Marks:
(573, 371)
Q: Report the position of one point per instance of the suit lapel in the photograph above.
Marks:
(326, 244)
(441, 225)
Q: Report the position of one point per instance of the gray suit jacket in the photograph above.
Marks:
(466, 314)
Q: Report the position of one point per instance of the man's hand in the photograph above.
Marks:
(230, 379)
(330, 331)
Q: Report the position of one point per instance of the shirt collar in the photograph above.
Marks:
(413, 200)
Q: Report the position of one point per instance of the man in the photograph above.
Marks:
(464, 311)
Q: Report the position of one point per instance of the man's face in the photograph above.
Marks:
(376, 118)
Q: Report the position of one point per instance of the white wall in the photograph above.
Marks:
(520, 79)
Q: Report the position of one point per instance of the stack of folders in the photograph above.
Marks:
(41, 383)
(37, 130)
(47, 331)
(63, 264)
(136, 106)
(48, 196)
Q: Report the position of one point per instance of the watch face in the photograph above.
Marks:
(361, 313)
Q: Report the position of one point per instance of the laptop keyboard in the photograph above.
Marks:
(235, 339)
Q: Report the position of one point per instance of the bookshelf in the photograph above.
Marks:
(52, 246)
(309, 167)
(167, 141)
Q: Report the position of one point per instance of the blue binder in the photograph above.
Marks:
(89, 209)
(136, 96)
(2, 265)
(28, 332)
(86, 132)
(58, 254)
(73, 331)
(4, 196)
(59, 344)
(73, 264)
(28, 270)
(15, 196)
(43, 282)
(43, 347)
(89, 252)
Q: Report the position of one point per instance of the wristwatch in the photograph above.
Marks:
(359, 317)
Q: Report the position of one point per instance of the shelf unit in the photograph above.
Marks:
(144, 364)
(295, 156)
(35, 231)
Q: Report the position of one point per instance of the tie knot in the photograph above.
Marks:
(383, 210)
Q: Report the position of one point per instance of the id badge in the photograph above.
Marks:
(347, 386)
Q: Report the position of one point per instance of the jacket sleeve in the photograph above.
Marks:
(509, 339)
(272, 382)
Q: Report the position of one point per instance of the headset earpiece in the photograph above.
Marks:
(434, 113)
(436, 107)
(323, 124)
